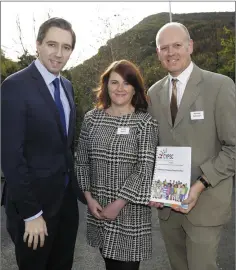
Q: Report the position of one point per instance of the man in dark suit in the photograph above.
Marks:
(195, 108)
(38, 123)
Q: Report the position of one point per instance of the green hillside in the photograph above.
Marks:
(138, 45)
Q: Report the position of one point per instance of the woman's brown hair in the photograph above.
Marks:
(131, 74)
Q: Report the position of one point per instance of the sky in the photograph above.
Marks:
(93, 22)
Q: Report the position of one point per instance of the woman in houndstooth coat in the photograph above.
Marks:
(115, 161)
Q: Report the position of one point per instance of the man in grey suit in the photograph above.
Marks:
(195, 108)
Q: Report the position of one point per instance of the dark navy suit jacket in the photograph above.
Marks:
(35, 153)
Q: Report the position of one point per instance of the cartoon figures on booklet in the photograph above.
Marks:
(175, 191)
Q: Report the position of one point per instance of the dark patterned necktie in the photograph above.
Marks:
(58, 102)
(173, 102)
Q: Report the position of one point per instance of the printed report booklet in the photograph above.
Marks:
(172, 175)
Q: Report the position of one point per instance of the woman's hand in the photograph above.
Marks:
(94, 207)
(112, 210)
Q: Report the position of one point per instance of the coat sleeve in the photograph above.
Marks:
(222, 166)
(82, 166)
(14, 163)
(137, 187)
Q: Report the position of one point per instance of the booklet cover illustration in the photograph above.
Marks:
(172, 175)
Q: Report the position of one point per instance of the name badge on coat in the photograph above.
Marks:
(123, 130)
(197, 115)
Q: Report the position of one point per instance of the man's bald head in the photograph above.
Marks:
(172, 25)
(174, 47)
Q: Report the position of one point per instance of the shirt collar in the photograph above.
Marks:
(47, 76)
(184, 76)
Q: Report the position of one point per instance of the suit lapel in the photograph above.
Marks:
(72, 111)
(164, 100)
(43, 89)
(191, 93)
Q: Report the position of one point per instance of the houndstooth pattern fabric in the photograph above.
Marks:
(113, 166)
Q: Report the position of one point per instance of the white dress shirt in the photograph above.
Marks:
(181, 83)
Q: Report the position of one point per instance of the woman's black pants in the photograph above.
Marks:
(120, 265)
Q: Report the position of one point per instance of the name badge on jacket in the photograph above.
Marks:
(197, 115)
(123, 130)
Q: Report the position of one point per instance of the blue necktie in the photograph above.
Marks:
(58, 102)
(60, 108)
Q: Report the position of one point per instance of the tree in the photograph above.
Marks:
(7, 66)
(111, 28)
(227, 54)
(25, 59)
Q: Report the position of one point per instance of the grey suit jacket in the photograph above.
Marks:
(212, 139)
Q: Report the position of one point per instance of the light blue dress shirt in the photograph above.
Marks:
(49, 78)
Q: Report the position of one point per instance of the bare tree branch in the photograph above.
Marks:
(49, 13)
(20, 33)
(34, 22)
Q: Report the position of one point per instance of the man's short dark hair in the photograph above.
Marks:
(55, 22)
